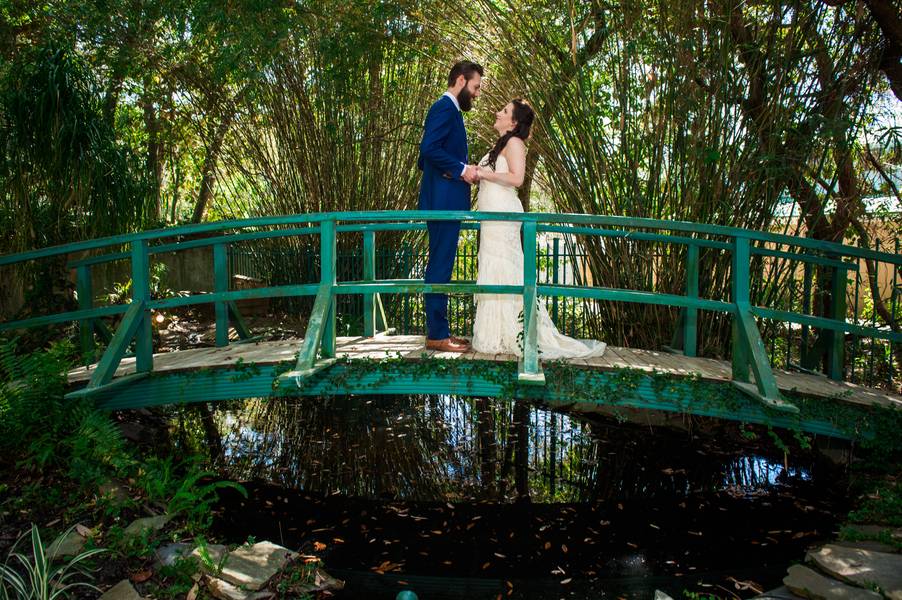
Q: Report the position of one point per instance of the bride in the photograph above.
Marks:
(500, 260)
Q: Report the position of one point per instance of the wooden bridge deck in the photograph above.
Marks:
(413, 348)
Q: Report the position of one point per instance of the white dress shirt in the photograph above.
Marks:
(457, 105)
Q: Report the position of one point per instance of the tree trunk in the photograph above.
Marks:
(208, 172)
(487, 449)
(211, 432)
(153, 164)
(888, 19)
(113, 89)
(570, 66)
(521, 469)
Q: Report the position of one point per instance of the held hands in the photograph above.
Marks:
(471, 174)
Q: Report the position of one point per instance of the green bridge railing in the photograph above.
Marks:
(318, 349)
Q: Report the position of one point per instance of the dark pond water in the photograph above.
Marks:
(462, 498)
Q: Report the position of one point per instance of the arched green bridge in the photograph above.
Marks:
(745, 389)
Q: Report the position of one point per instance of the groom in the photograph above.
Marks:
(446, 186)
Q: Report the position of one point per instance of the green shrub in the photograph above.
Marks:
(33, 576)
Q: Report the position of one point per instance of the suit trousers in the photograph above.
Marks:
(443, 237)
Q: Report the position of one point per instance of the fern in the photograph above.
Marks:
(97, 449)
(39, 428)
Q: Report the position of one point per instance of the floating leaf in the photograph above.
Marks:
(141, 576)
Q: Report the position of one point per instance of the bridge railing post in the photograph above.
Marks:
(373, 312)
(221, 285)
(749, 353)
(690, 318)
(328, 257)
(529, 371)
(85, 290)
(555, 261)
(369, 274)
(836, 339)
(739, 285)
(141, 293)
(807, 279)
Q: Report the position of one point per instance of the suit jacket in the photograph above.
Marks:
(443, 156)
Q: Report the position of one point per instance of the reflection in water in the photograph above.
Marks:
(423, 491)
(453, 448)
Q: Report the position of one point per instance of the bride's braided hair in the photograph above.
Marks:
(523, 115)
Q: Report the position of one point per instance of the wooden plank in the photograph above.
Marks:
(676, 364)
(413, 348)
(658, 361)
(632, 360)
(711, 369)
(617, 360)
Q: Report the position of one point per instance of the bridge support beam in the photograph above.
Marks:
(320, 336)
(109, 362)
(749, 353)
(374, 320)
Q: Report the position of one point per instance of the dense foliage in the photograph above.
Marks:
(119, 117)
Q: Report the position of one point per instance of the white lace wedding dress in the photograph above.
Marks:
(500, 261)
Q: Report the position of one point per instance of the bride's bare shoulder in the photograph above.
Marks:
(514, 147)
(516, 142)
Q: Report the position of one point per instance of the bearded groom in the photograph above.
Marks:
(446, 186)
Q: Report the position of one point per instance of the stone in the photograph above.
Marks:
(251, 567)
(114, 491)
(865, 530)
(214, 554)
(153, 523)
(321, 582)
(64, 547)
(807, 583)
(227, 591)
(167, 555)
(780, 593)
(869, 545)
(874, 531)
(862, 567)
(121, 591)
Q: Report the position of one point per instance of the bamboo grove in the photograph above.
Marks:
(117, 118)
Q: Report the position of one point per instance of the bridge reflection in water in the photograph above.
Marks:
(430, 489)
(441, 448)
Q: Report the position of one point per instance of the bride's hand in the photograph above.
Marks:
(482, 173)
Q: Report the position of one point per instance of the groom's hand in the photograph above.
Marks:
(470, 174)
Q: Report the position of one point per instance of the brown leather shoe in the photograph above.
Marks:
(446, 345)
(458, 340)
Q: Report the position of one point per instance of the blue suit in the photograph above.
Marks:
(443, 156)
